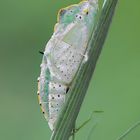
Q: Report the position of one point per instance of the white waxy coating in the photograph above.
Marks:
(62, 57)
(65, 55)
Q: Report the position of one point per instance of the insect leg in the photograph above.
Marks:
(87, 121)
(41, 52)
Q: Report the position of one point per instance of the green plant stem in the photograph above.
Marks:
(73, 136)
(66, 121)
(129, 131)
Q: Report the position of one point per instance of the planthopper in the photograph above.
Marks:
(64, 53)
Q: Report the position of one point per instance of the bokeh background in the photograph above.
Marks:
(25, 28)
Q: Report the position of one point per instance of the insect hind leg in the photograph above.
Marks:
(75, 130)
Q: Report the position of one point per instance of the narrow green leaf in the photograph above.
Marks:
(129, 131)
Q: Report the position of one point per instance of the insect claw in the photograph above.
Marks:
(85, 56)
(67, 89)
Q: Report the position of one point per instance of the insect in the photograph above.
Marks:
(63, 55)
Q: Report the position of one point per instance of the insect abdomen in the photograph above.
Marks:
(56, 99)
(51, 94)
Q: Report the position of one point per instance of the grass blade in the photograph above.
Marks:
(129, 131)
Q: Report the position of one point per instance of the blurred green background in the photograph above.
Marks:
(25, 28)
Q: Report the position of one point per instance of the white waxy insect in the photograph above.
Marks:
(63, 55)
